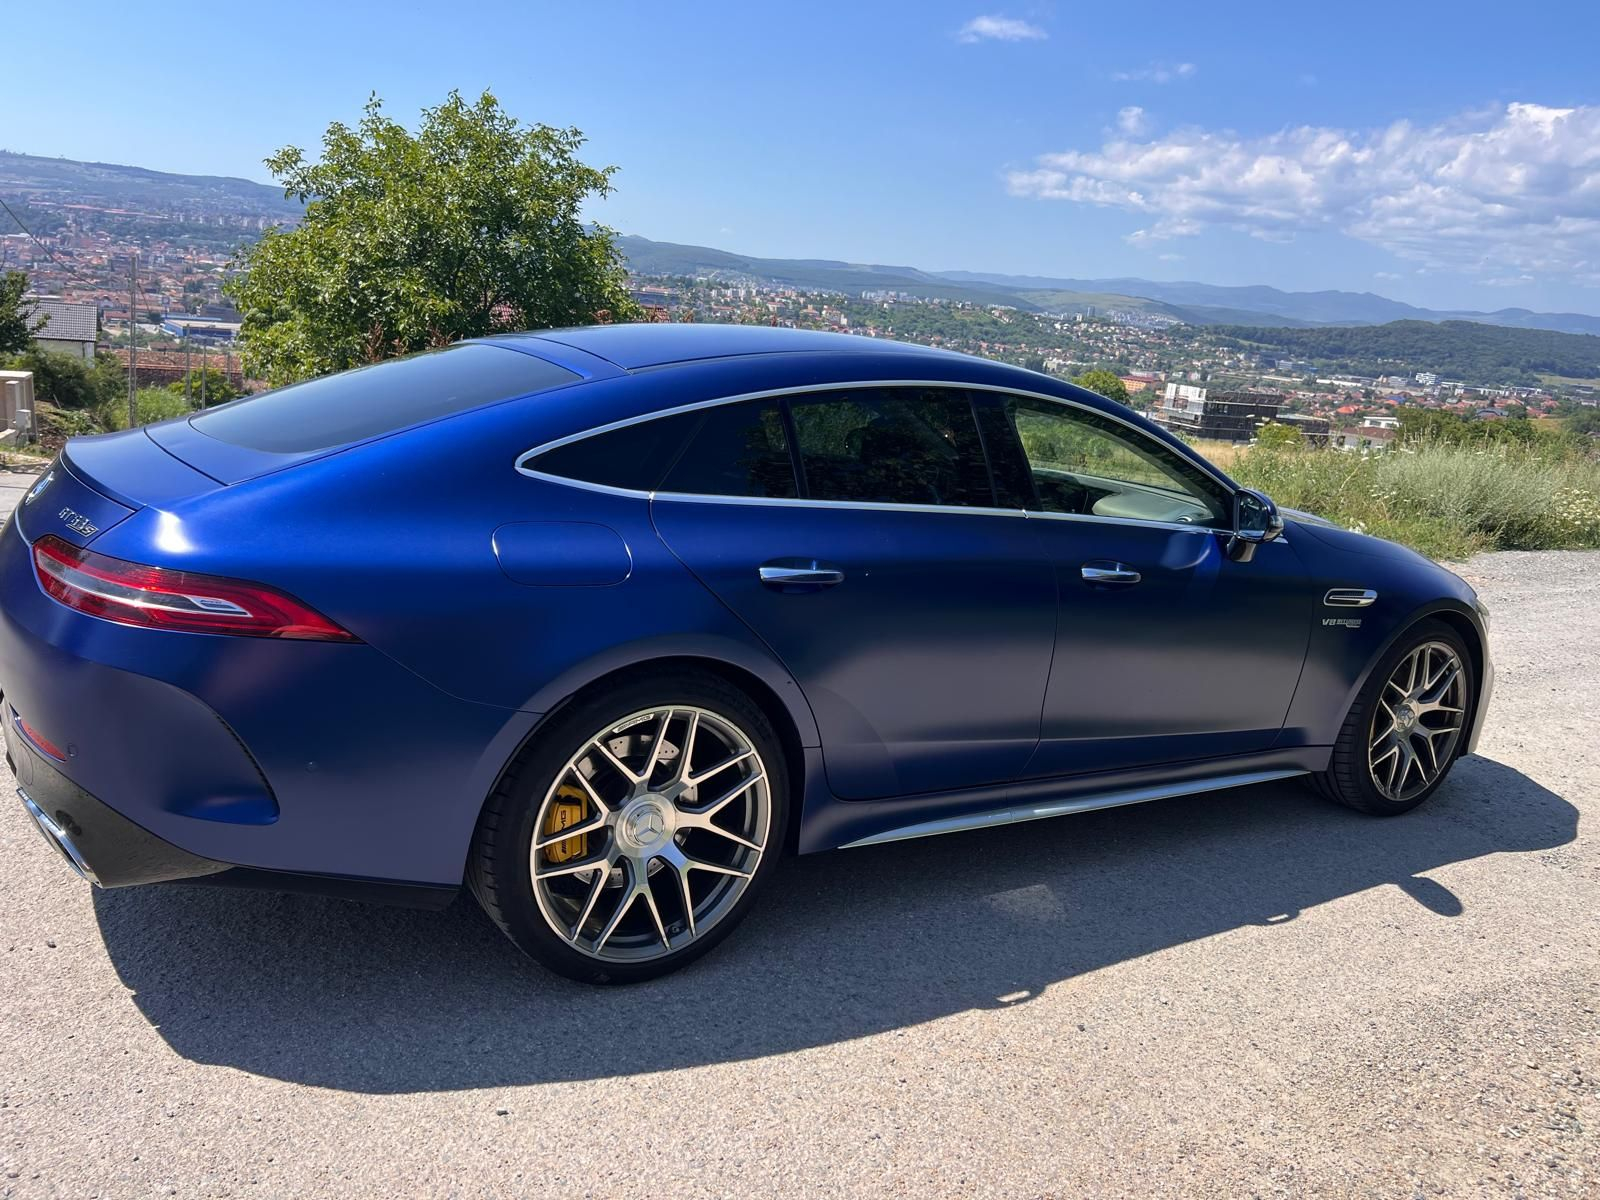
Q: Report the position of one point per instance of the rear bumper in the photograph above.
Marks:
(101, 846)
(98, 843)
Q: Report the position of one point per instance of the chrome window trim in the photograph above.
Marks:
(862, 505)
(806, 389)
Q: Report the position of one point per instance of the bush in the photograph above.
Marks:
(1277, 436)
(1448, 501)
(152, 404)
(67, 381)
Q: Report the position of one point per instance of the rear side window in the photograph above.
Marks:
(892, 446)
(634, 457)
(352, 405)
(739, 450)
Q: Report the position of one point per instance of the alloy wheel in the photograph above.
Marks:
(650, 833)
(1417, 721)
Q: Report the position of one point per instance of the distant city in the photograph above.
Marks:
(115, 255)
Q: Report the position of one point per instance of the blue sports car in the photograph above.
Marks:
(600, 622)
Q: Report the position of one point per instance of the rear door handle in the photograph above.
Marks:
(807, 575)
(1110, 573)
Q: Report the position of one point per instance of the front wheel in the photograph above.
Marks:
(635, 831)
(1407, 727)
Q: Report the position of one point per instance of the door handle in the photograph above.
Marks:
(804, 575)
(1111, 573)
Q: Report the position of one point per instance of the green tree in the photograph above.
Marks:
(1106, 383)
(17, 328)
(1274, 435)
(470, 226)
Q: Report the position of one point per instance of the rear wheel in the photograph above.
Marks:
(634, 833)
(1407, 727)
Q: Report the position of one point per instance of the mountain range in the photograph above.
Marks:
(25, 177)
(1189, 302)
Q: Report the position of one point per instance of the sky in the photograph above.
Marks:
(1444, 154)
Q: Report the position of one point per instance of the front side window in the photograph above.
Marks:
(1087, 464)
(891, 446)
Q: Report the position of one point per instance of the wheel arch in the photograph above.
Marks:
(1463, 622)
(792, 733)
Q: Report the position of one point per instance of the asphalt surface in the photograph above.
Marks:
(1245, 993)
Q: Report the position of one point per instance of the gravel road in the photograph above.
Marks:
(1246, 993)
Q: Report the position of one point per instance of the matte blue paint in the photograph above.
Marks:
(562, 554)
(961, 665)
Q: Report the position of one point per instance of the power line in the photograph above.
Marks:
(49, 253)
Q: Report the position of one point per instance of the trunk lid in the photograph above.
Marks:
(99, 482)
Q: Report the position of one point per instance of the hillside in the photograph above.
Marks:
(1247, 305)
(1455, 349)
(648, 257)
(30, 177)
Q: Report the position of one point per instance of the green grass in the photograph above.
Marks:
(1443, 500)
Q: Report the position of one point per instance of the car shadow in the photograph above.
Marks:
(843, 945)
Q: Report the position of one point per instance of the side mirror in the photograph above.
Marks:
(1255, 520)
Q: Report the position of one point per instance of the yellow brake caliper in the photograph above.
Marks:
(570, 807)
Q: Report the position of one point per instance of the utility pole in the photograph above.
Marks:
(133, 341)
(205, 365)
(188, 372)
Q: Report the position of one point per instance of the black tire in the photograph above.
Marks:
(1348, 779)
(498, 868)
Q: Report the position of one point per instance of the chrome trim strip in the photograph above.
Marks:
(774, 393)
(1349, 597)
(1095, 519)
(863, 505)
(1059, 808)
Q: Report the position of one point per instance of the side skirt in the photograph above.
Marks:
(828, 823)
(1061, 808)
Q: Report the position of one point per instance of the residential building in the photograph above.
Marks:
(69, 328)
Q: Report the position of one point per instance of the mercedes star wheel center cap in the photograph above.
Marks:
(645, 824)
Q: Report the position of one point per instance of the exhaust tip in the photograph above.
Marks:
(60, 839)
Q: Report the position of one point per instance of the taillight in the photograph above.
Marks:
(158, 598)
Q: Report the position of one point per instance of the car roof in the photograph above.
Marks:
(639, 347)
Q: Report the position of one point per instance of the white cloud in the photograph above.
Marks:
(1133, 121)
(1155, 73)
(1499, 193)
(1170, 257)
(999, 29)
(1386, 275)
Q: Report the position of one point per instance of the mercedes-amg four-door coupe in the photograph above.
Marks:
(600, 622)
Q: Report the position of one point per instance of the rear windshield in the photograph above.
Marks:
(338, 409)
